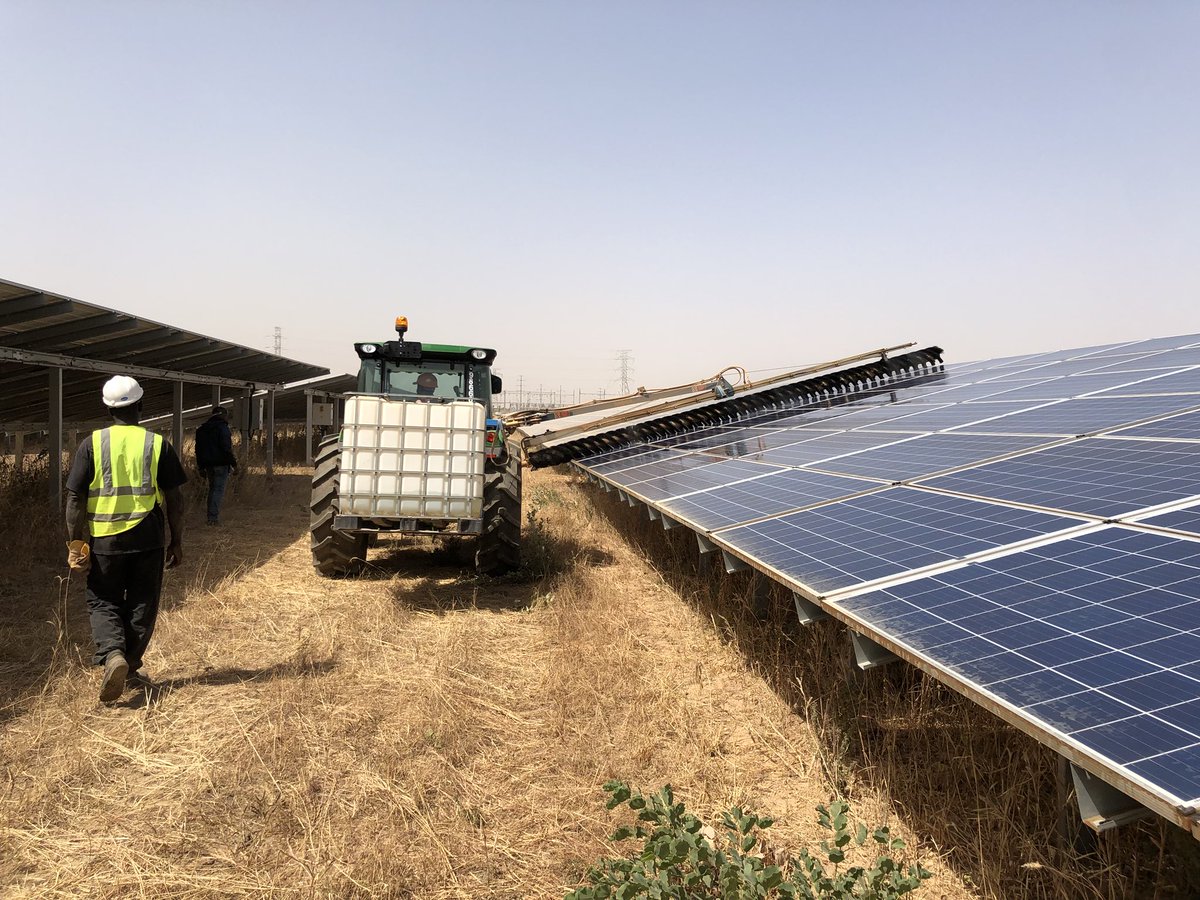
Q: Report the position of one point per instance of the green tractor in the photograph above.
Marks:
(419, 452)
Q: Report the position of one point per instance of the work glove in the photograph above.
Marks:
(79, 556)
(174, 554)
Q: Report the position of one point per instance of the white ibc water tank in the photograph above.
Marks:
(404, 459)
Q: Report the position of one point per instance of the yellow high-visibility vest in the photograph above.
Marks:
(124, 484)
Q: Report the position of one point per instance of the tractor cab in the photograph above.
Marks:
(435, 373)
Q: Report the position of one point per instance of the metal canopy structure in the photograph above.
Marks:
(56, 353)
(1025, 530)
(40, 330)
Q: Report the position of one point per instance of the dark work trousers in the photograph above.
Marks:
(122, 599)
(217, 478)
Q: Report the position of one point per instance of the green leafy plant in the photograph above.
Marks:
(683, 858)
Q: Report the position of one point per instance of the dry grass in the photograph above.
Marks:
(419, 732)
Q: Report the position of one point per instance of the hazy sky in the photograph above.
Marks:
(761, 183)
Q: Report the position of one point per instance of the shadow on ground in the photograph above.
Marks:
(43, 611)
(151, 692)
(438, 575)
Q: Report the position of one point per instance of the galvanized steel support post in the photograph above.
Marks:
(270, 429)
(54, 439)
(868, 654)
(177, 419)
(807, 611)
(1101, 806)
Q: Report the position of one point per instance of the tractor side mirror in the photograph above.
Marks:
(497, 384)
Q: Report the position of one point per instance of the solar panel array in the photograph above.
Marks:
(1027, 529)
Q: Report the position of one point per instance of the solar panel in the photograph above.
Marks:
(960, 415)
(1163, 359)
(1085, 415)
(914, 457)
(1179, 520)
(967, 523)
(783, 491)
(823, 447)
(686, 481)
(1107, 659)
(674, 463)
(627, 458)
(1094, 476)
(865, 538)
(1067, 386)
(1185, 381)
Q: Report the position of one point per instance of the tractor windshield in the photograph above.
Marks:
(426, 378)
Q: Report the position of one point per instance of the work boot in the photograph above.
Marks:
(115, 670)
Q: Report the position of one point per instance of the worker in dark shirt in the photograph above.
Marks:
(124, 486)
(215, 459)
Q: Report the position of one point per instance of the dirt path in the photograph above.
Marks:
(414, 732)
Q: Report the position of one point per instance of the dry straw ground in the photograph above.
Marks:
(418, 732)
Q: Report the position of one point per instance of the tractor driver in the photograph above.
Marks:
(427, 383)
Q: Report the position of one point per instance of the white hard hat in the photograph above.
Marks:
(121, 390)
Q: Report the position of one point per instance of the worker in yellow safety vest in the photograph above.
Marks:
(123, 489)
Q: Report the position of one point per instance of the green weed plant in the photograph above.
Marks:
(681, 858)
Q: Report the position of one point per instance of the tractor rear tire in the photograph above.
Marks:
(333, 552)
(499, 547)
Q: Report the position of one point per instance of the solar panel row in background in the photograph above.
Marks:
(1027, 529)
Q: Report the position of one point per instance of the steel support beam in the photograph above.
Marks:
(706, 546)
(732, 563)
(269, 428)
(868, 654)
(177, 419)
(54, 440)
(35, 358)
(807, 611)
(1101, 806)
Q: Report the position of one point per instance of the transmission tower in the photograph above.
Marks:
(278, 340)
(625, 361)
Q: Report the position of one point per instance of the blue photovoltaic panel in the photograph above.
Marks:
(1087, 365)
(1092, 476)
(958, 391)
(778, 493)
(961, 415)
(1066, 387)
(1152, 345)
(1181, 520)
(827, 446)
(754, 443)
(882, 534)
(597, 459)
(1186, 381)
(628, 458)
(1166, 359)
(926, 454)
(1186, 427)
(857, 417)
(721, 436)
(712, 475)
(674, 464)
(684, 440)
(1086, 415)
(1093, 637)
